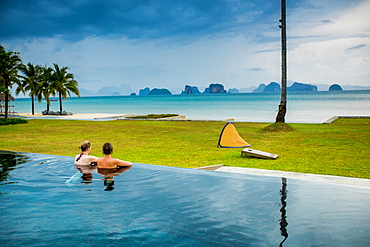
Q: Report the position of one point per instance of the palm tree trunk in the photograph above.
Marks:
(33, 104)
(60, 103)
(282, 107)
(6, 103)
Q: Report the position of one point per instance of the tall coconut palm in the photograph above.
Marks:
(10, 65)
(31, 81)
(280, 118)
(43, 87)
(63, 83)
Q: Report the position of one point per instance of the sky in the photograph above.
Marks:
(173, 43)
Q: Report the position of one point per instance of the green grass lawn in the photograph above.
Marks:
(341, 148)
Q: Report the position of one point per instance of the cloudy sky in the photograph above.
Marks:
(171, 43)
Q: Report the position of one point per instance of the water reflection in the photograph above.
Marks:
(109, 174)
(85, 172)
(8, 162)
(283, 220)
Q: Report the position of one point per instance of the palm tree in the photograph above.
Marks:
(280, 118)
(43, 87)
(63, 83)
(31, 81)
(10, 64)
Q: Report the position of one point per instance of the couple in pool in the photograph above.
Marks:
(106, 162)
(107, 166)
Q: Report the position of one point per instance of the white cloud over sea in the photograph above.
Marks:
(168, 44)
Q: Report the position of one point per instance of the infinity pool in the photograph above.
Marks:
(45, 202)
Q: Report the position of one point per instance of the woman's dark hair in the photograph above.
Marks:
(107, 148)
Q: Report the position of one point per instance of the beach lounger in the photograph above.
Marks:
(259, 154)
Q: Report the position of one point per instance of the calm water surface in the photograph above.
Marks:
(252, 107)
(45, 202)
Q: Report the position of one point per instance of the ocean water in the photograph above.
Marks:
(313, 107)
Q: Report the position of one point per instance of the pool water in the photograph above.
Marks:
(45, 202)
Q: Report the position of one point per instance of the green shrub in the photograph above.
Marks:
(153, 116)
(9, 121)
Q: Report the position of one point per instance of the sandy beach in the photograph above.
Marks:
(87, 116)
(107, 116)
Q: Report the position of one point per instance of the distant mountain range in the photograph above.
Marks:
(125, 89)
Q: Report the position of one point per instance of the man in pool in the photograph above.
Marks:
(84, 158)
(107, 161)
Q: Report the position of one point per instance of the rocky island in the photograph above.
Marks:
(159, 91)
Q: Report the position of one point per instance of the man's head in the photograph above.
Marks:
(107, 148)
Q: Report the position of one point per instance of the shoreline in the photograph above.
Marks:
(109, 116)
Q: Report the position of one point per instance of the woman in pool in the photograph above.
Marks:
(107, 161)
(84, 158)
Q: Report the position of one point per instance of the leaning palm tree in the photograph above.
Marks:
(63, 83)
(10, 64)
(31, 81)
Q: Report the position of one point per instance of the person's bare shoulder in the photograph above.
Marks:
(122, 163)
(92, 158)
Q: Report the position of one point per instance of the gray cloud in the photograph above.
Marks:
(255, 69)
(269, 50)
(326, 21)
(356, 47)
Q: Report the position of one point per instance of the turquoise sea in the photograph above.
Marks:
(313, 107)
